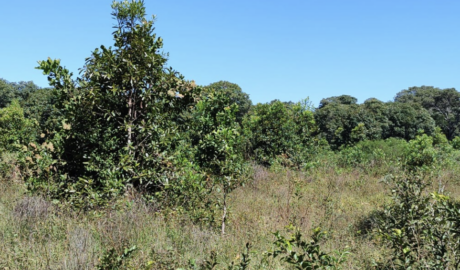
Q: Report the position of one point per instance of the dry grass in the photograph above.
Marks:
(32, 209)
(36, 235)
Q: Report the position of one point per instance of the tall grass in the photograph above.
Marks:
(36, 234)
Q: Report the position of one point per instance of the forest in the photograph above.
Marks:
(132, 166)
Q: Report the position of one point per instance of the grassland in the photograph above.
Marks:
(36, 234)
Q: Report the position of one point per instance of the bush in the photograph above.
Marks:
(15, 129)
(278, 129)
(420, 154)
(111, 260)
(420, 230)
(303, 254)
(456, 143)
(369, 155)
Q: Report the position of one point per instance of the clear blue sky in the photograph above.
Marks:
(287, 50)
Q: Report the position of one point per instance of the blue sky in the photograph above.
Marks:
(287, 50)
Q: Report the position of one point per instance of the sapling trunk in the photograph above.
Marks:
(224, 216)
(130, 121)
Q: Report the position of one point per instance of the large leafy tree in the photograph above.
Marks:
(36, 102)
(15, 129)
(342, 122)
(39, 105)
(24, 89)
(278, 128)
(377, 121)
(336, 122)
(120, 118)
(129, 121)
(442, 104)
(7, 93)
(15, 90)
(235, 95)
(343, 99)
(406, 120)
(270, 129)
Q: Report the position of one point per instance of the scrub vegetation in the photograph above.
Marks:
(131, 166)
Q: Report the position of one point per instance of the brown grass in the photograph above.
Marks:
(36, 235)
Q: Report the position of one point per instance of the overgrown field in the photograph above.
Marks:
(131, 166)
(341, 200)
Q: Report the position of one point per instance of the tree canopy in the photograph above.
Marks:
(235, 95)
(442, 104)
(343, 122)
(343, 99)
(129, 121)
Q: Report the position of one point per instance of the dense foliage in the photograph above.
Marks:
(279, 129)
(345, 123)
(235, 94)
(130, 122)
(15, 129)
(442, 104)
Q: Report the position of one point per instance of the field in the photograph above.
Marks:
(35, 234)
(132, 165)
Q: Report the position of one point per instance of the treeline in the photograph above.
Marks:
(94, 138)
(79, 138)
(339, 121)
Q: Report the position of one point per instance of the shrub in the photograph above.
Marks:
(278, 129)
(303, 254)
(420, 153)
(15, 129)
(456, 143)
(420, 230)
(369, 155)
(111, 260)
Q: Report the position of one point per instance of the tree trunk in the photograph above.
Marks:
(130, 121)
(224, 216)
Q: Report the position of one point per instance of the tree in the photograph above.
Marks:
(377, 123)
(343, 99)
(278, 128)
(235, 94)
(217, 142)
(271, 131)
(336, 122)
(130, 122)
(121, 119)
(345, 123)
(442, 104)
(39, 105)
(7, 93)
(15, 129)
(24, 89)
(12, 90)
(407, 119)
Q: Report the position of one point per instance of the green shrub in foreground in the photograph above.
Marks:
(421, 230)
